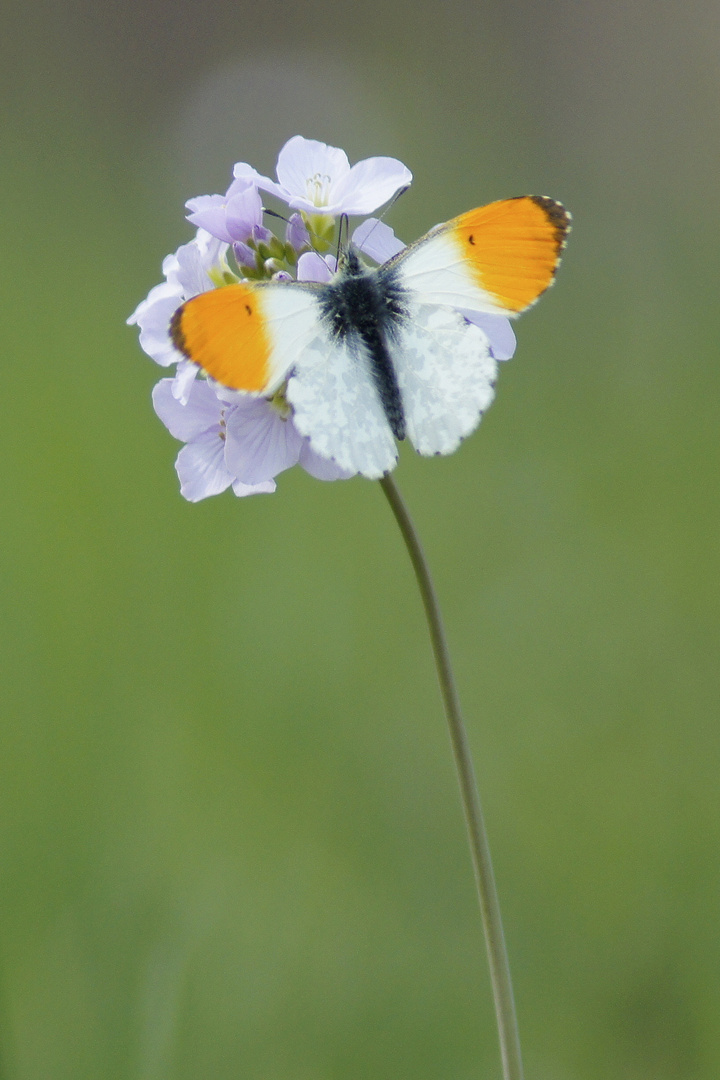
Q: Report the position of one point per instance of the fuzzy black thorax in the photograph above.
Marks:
(364, 309)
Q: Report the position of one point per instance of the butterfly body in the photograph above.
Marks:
(379, 354)
(365, 310)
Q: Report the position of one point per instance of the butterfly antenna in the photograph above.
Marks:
(343, 237)
(394, 199)
(274, 213)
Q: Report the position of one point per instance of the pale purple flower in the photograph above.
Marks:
(235, 439)
(499, 331)
(232, 439)
(377, 240)
(187, 273)
(296, 233)
(201, 425)
(235, 217)
(318, 179)
(262, 440)
(314, 267)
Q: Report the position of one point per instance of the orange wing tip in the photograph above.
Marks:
(513, 247)
(557, 215)
(224, 331)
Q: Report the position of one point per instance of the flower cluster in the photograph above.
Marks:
(234, 439)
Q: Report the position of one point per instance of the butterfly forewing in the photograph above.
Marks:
(246, 335)
(497, 259)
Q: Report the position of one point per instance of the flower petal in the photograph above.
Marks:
(312, 267)
(202, 413)
(244, 255)
(192, 263)
(260, 444)
(153, 316)
(201, 468)
(296, 232)
(244, 213)
(303, 162)
(499, 332)
(319, 467)
(185, 375)
(369, 184)
(209, 212)
(376, 239)
(241, 489)
(243, 171)
(231, 216)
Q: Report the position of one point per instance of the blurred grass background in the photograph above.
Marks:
(230, 840)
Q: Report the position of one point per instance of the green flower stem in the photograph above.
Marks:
(479, 848)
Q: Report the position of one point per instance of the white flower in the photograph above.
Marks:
(318, 179)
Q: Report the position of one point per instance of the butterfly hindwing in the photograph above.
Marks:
(337, 406)
(446, 376)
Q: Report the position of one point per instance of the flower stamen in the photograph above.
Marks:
(318, 189)
(280, 403)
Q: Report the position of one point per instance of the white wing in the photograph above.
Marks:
(437, 270)
(446, 376)
(338, 408)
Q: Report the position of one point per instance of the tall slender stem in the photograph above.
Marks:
(477, 836)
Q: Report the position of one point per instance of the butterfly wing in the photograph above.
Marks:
(337, 406)
(252, 336)
(247, 335)
(446, 375)
(497, 259)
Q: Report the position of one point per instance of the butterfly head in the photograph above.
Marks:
(350, 264)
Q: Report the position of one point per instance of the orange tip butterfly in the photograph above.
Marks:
(382, 354)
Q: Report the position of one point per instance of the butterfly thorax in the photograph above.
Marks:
(364, 309)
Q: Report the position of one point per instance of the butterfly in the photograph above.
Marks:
(382, 354)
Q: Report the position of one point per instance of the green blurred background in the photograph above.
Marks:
(230, 840)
